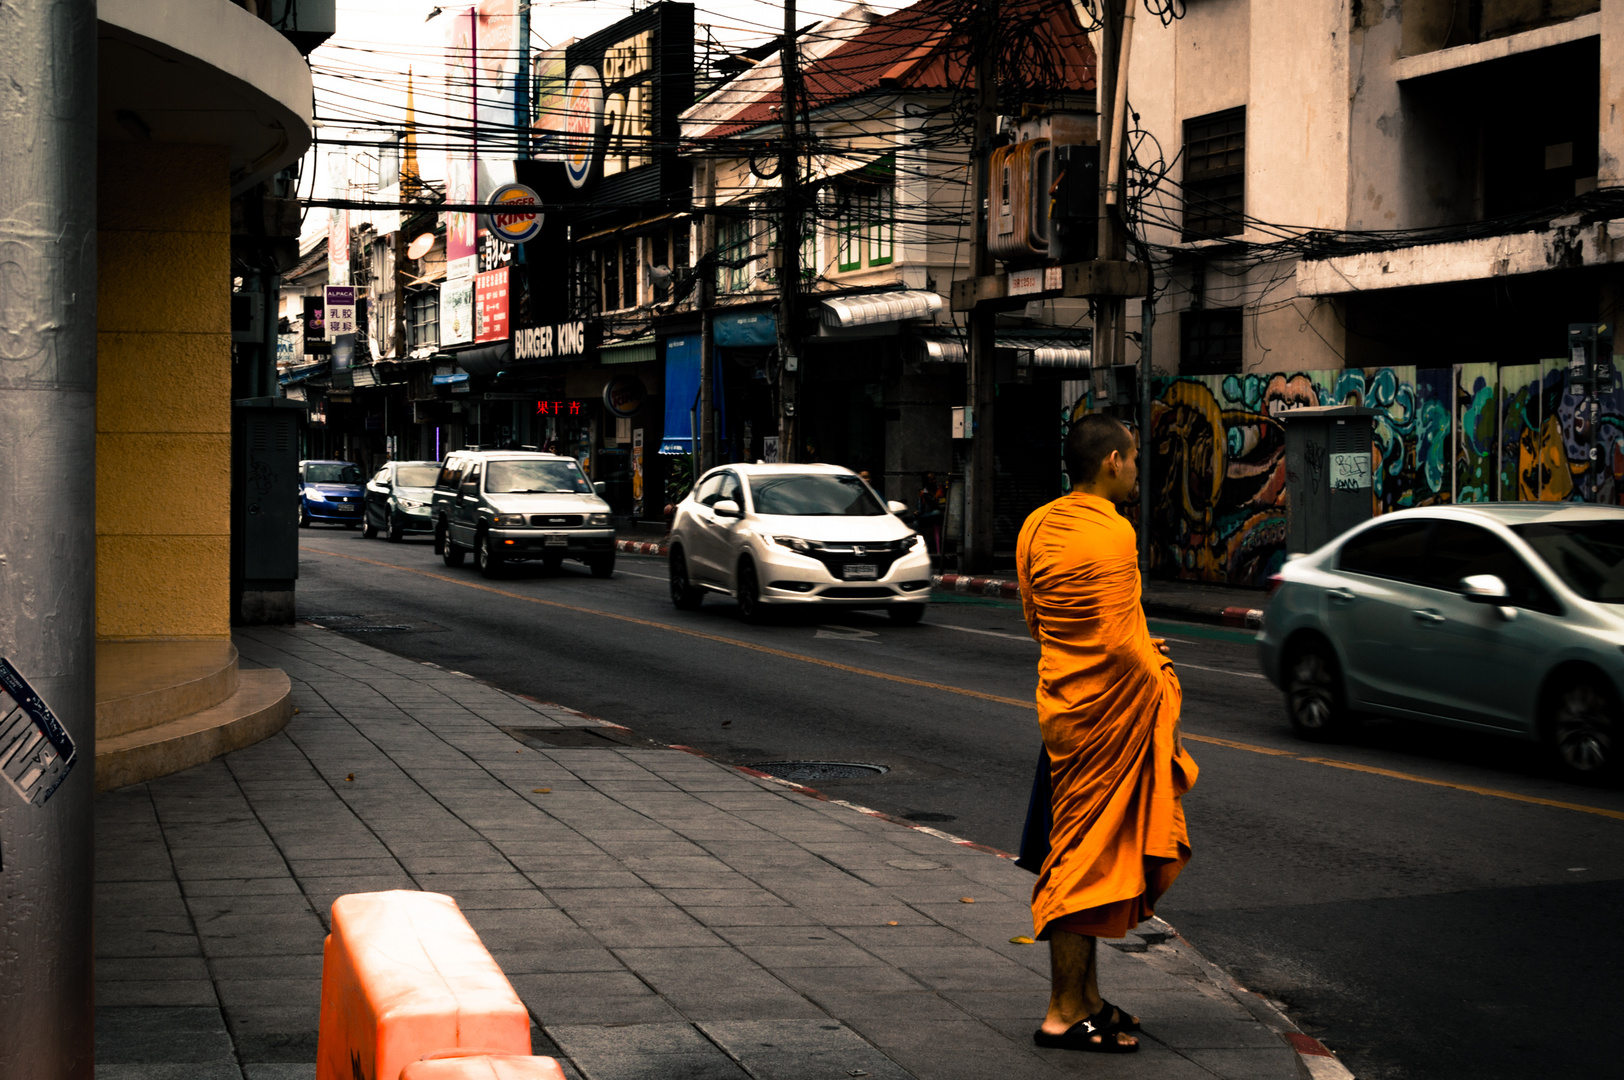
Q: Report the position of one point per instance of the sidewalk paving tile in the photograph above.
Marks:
(659, 914)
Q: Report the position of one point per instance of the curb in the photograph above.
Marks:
(1237, 616)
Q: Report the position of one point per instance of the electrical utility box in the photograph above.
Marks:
(1330, 478)
(264, 509)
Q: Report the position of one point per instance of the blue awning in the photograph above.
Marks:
(681, 393)
(450, 379)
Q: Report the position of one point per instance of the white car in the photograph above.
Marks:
(771, 535)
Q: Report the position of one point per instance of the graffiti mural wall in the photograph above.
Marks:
(1467, 433)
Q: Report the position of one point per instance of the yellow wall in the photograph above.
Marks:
(163, 402)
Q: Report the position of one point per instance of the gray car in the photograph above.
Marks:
(1496, 617)
(511, 506)
(399, 499)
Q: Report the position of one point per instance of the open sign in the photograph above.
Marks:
(518, 225)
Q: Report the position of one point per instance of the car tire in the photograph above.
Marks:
(453, 555)
(906, 614)
(683, 593)
(602, 566)
(397, 530)
(440, 537)
(304, 517)
(1581, 725)
(368, 530)
(1315, 702)
(488, 561)
(749, 594)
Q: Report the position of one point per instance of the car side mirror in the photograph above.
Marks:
(727, 508)
(897, 508)
(1489, 589)
(600, 487)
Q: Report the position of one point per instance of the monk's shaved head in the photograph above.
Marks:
(1090, 441)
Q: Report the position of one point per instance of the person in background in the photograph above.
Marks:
(928, 513)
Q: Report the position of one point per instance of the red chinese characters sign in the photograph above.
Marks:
(491, 305)
(559, 408)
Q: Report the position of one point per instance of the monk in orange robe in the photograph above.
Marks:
(1108, 703)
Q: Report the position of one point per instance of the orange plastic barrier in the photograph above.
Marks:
(484, 1067)
(404, 975)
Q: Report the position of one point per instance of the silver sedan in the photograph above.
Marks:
(1494, 617)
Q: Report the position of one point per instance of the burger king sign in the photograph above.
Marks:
(517, 225)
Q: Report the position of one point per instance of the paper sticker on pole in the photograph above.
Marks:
(520, 225)
(35, 750)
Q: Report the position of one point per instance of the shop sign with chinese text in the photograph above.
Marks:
(491, 305)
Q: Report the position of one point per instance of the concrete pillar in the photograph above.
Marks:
(47, 528)
(1610, 147)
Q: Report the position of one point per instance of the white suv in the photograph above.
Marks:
(796, 534)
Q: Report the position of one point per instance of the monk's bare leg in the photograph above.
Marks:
(1074, 991)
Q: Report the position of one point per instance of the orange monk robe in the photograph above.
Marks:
(1108, 702)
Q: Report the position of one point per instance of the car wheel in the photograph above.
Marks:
(602, 566)
(453, 555)
(440, 537)
(397, 530)
(750, 605)
(304, 517)
(488, 561)
(1581, 724)
(1314, 700)
(906, 614)
(683, 593)
(368, 530)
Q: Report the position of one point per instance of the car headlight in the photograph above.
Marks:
(915, 542)
(509, 519)
(410, 504)
(314, 496)
(600, 520)
(795, 544)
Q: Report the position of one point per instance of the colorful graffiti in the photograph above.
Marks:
(1467, 433)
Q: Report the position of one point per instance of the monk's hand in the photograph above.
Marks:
(1161, 646)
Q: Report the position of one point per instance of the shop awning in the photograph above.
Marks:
(681, 393)
(1028, 352)
(848, 311)
(636, 351)
(487, 359)
(819, 168)
(450, 378)
(745, 330)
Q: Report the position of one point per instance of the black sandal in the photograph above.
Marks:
(1124, 1021)
(1081, 1036)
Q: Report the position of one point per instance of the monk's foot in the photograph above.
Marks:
(1100, 1034)
(1119, 1016)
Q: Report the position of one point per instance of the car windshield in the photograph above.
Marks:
(536, 477)
(1587, 555)
(332, 472)
(814, 495)
(422, 476)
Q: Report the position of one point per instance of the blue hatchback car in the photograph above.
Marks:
(330, 492)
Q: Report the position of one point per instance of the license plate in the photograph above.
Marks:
(859, 572)
(556, 541)
(345, 508)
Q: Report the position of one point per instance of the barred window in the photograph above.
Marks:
(423, 318)
(1210, 342)
(1215, 174)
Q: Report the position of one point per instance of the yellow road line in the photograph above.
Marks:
(997, 698)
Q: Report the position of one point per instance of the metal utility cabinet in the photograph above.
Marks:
(1329, 472)
(264, 510)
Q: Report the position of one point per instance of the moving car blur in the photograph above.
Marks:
(398, 499)
(1495, 617)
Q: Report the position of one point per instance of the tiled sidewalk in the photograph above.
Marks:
(661, 915)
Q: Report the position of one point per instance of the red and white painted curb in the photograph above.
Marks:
(1002, 588)
(641, 547)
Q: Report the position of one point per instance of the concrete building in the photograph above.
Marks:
(1403, 204)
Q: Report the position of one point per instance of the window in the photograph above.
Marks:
(423, 319)
(1210, 342)
(628, 273)
(1388, 551)
(814, 495)
(658, 246)
(710, 489)
(1587, 555)
(865, 226)
(537, 477)
(610, 274)
(733, 237)
(881, 228)
(470, 482)
(332, 472)
(732, 489)
(1456, 550)
(1214, 174)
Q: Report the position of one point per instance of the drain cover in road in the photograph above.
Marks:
(803, 772)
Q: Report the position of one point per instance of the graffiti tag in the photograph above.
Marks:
(1350, 472)
(1314, 456)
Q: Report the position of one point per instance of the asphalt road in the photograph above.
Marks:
(1411, 898)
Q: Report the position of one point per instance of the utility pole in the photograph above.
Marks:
(47, 529)
(982, 320)
(789, 246)
(705, 445)
(1147, 321)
